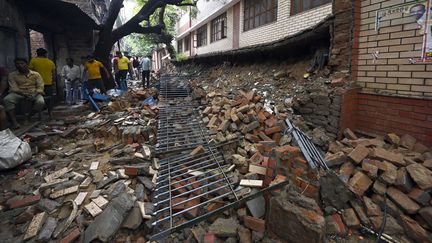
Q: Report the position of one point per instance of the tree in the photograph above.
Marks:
(137, 44)
(140, 23)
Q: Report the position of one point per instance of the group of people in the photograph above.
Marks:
(134, 66)
(33, 81)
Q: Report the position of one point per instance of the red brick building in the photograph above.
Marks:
(392, 63)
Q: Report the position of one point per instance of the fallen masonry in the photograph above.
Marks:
(207, 166)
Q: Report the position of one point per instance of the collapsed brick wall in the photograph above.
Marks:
(322, 109)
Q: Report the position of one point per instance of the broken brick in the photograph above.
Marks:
(395, 158)
(402, 200)
(198, 150)
(334, 225)
(350, 218)
(255, 224)
(349, 134)
(272, 130)
(359, 183)
(72, 236)
(25, 201)
(287, 152)
(420, 196)
(359, 153)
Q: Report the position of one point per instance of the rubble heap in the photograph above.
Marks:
(91, 177)
(392, 177)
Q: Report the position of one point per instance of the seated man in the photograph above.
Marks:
(24, 84)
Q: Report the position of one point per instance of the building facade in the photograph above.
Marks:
(392, 65)
(234, 24)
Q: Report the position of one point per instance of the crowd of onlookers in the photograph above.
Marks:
(34, 81)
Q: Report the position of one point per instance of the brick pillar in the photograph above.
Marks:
(341, 43)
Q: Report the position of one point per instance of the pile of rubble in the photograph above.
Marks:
(91, 175)
(391, 177)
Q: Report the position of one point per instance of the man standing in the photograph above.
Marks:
(46, 68)
(94, 75)
(71, 76)
(146, 67)
(24, 84)
(121, 68)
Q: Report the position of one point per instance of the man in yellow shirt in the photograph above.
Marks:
(121, 68)
(24, 84)
(46, 68)
(94, 75)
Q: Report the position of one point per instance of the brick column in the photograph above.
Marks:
(341, 43)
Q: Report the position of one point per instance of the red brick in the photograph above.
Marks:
(198, 150)
(72, 236)
(26, 201)
(272, 130)
(257, 158)
(192, 213)
(287, 152)
(210, 238)
(179, 207)
(254, 223)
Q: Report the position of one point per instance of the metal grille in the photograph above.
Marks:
(190, 188)
(311, 153)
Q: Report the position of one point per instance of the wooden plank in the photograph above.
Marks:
(251, 183)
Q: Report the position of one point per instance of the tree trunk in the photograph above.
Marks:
(102, 51)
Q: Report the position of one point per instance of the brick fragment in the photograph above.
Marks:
(395, 158)
(414, 230)
(272, 130)
(350, 218)
(72, 236)
(407, 141)
(349, 134)
(402, 200)
(403, 180)
(25, 201)
(421, 197)
(35, 225)
(421, 175)
(359, 154)
(359, 183)
(254, 223)
(334, 225)
(198, 150)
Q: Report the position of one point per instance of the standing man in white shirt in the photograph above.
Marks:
(146, 68)
(71, 75)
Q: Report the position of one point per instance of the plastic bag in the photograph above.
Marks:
(13, 151)
(150, 101)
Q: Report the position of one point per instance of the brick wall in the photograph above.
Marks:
(36, 41)
(398, 40)
(285, 25)
(385, 114)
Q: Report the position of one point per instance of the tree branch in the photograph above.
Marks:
(157, 29)
(113, 12)
(144, 14)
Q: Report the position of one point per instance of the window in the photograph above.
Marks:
(202, 36)
(187, 43)
(219, 28)
(180, 46)
(259, 12)
(298, 6)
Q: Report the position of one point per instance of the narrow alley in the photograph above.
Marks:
(216, 121)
